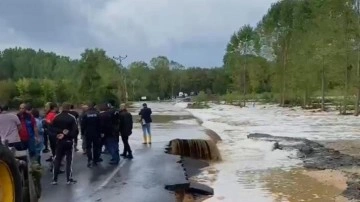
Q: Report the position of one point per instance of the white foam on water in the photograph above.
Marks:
(242, 155)
(187, 122)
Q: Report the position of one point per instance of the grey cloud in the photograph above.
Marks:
(192, 32)
(45, 22)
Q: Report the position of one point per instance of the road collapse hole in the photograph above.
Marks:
(183, 196)
(194, 148)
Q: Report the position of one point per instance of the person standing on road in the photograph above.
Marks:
(47, 110)
(126, 126)
(83, 138)
(145, 115)
(40, 144)
(9, 128)
(91, 125)
(111, 138)
(29, 132)
(64, 127)
(76, 115)
(49, 117)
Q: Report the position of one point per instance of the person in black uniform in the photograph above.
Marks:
(64, 127)
(126, 126)
(76, 115)
(91, 126)
(111, 138)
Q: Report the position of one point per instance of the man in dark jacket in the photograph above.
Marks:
(111, 138)
(76, 115)
(145, 115)
(126, 126)
(91, 126)
(64, 127)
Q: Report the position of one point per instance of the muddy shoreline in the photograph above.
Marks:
(320, 157)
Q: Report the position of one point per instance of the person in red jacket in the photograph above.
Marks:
(29, 131)
(49, 118)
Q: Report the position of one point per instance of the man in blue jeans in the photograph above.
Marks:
(145, 115)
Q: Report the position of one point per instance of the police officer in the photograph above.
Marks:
(91, 126)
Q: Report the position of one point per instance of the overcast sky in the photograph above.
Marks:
(191, 32)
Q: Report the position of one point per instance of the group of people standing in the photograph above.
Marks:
(99, 125)
(22, 130)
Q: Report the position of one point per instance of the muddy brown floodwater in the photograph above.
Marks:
(296, 186)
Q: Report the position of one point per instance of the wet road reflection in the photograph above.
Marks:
(140, 179)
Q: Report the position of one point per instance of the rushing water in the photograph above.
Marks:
(251, 171)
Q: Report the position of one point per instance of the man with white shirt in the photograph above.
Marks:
(9, 128)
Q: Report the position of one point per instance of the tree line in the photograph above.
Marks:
(301, 52)
(33, 76)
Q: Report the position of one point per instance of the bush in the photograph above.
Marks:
(266, 97)
(7, 91)
(23, 89)
(201, 97)
(230, 98)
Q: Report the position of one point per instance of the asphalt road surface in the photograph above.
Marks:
(140, 179)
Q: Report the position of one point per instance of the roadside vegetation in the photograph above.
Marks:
(301, 53)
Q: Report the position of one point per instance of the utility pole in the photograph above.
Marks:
(120, 59)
